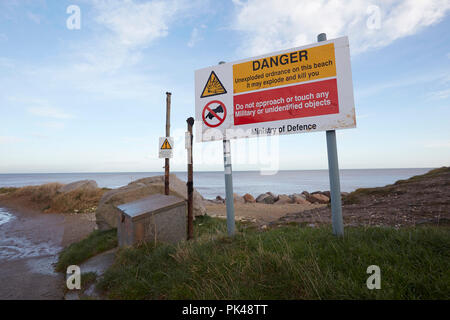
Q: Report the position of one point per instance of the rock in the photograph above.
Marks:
(237, 198)
(274, 196)
(79, 185)
(106, 214)
(317, 198)
(265, 198)
(249, 198)
(344, 194)
(219, 198)
(261, 197)
(283, 199)
(327, 193)
(299, 199)
(306, 194)
(270, 199)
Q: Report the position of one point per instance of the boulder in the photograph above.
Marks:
(270, 199)
(249, 198)
(327, 193)
(265, 198)
(106, 214)
(273, 195)
(318, 198)
(283, 199)
(220, 199)
(79, 185)
(261, 197)
(237, 198)
(299, 199)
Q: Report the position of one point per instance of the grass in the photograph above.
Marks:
(50, 200)
(7, 190)
(97, 242)
(285, 263)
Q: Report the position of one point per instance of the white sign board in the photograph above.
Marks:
(165, 147)
(304, 89)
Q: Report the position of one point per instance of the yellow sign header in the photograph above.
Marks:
(283, 69)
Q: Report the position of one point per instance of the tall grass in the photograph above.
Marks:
(286, 263)
(97, 242)
(49, 199)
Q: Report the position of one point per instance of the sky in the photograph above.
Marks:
(91, 98)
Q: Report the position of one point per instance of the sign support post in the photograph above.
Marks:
(166, 166)
(190, 183)
(333, 171)
(229, 197)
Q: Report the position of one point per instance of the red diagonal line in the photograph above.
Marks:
(214, 114)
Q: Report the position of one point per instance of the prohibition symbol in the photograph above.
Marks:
(214, 113)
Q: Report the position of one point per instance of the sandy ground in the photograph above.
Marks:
(29, 245)
(258, 212)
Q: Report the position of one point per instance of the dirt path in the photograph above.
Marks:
(29, 245)
(259, 213)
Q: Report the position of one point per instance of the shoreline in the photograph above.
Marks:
(211, 183)
(30, 244)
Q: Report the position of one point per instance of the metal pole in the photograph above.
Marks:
(228, 183)
(190, 183)
(333, 170)
(166, 166)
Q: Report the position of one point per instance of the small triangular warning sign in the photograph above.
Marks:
(213, 86)
(166, 145)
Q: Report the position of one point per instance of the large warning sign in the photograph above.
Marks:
(303, 89)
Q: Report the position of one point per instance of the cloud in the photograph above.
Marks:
(131, 26)
(49, 112)
(10, 139)
(438, 144)
(268, 25)
(53, 125)
(195, 36)
(34, 17)
(440, 94)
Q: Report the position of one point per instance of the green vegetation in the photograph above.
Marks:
(7, 190)
(288, 262)
(97, 242)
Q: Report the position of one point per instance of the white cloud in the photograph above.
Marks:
(34, 17)
(195, 36)
(9, 139)
(438, 144)
(132, 26)
(440, 94)
(269, 25)
(53, 125)
(49, 112)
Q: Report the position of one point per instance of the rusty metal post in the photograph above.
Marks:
(167, 166)
(190, 182)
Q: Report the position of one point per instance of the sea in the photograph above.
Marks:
(212, 183)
